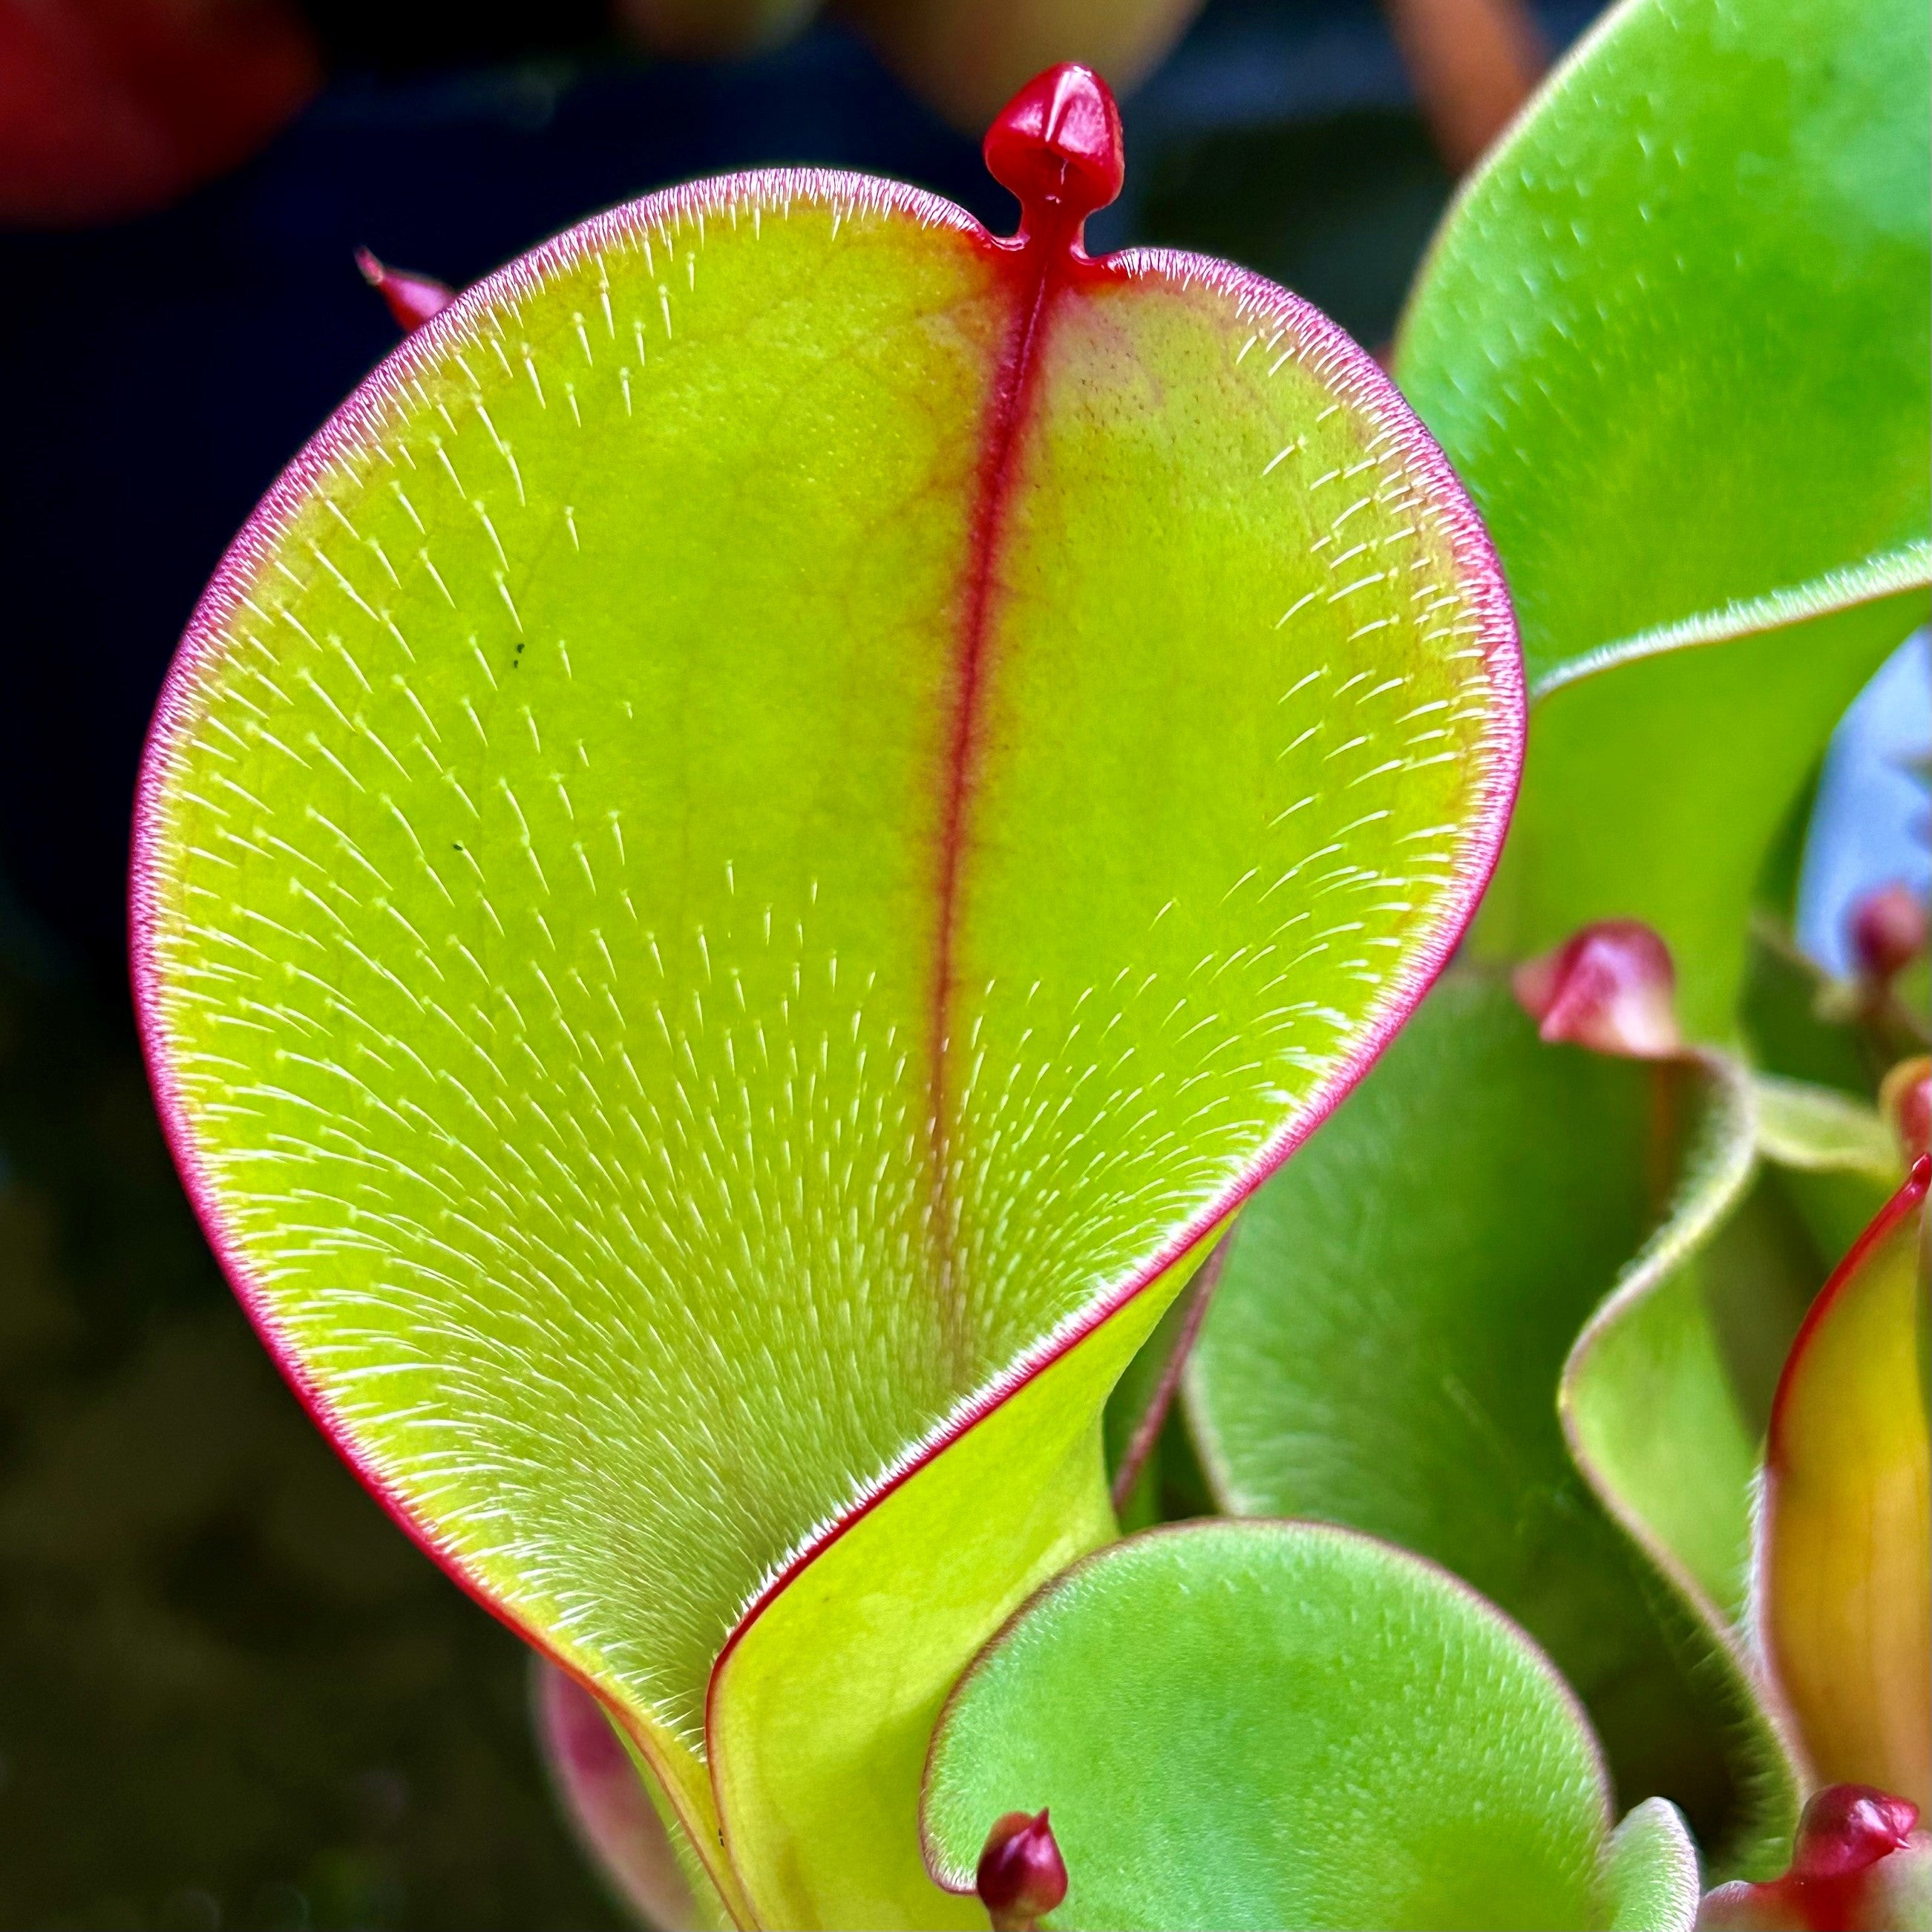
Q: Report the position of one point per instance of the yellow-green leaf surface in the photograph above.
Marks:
(1385, 1347)
(1837, 1158)
(1675, 336)
(1844, 1584)
(1650, 1871)
(1271, 1724)
(1817, 1129)
(884, 1619)
(1669, 1389)
(777, 818)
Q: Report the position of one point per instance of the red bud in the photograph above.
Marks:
(1056, 144)
(1889, 930)
(1905, 1099)
(1858, 1865)
(1846, 1828)
(412, 299)
(1021, 1875)
(1612, 988)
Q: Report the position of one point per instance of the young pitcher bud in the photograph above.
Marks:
(1905, 1100)
(1057, 145)
(1846, 1828)
(412, 299)
(1021, 1875)
(1889, 930)
(1612, 988)
(1858, 1864)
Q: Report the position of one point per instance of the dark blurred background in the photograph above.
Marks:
(230, 1694)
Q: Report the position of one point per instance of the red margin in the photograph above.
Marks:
(1351, 374)
(1885, 1223)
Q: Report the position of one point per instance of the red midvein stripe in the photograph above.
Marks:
(1044, 255)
